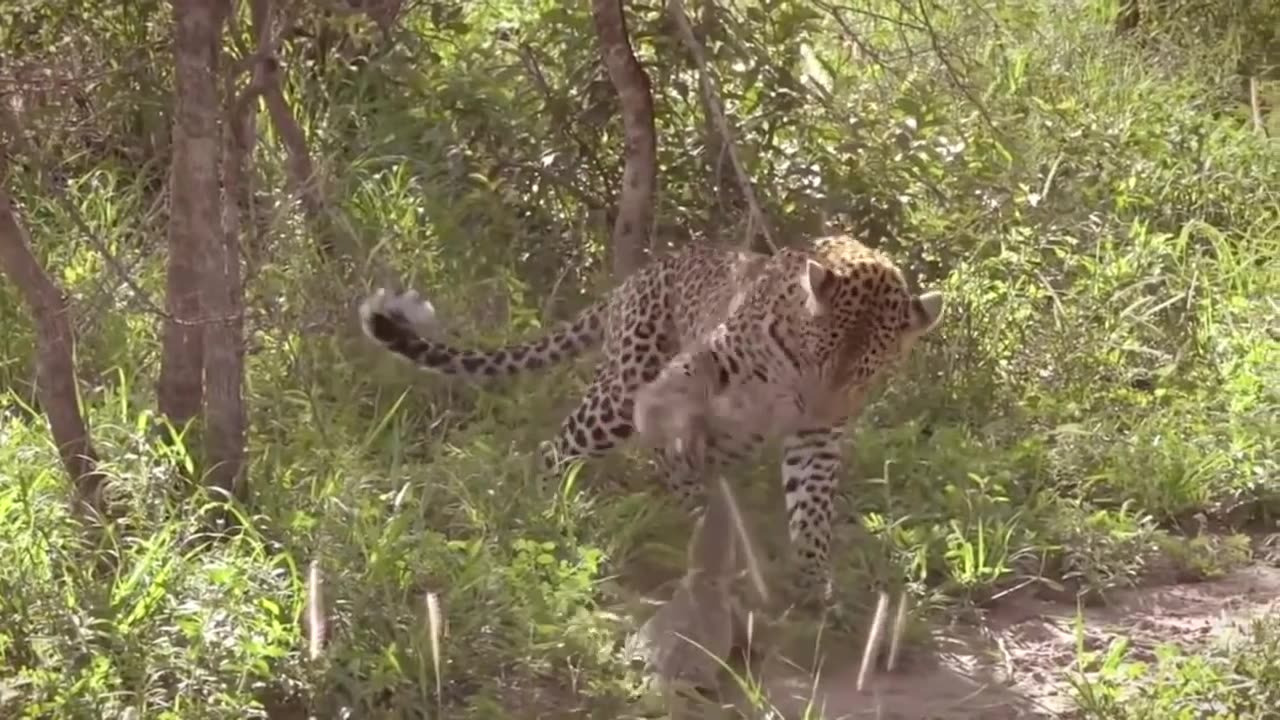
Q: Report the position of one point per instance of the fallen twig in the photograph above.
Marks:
(874, 637)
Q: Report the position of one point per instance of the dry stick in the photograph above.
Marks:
(1255, 106)
(874, 638)
(317, 617)
(895, 639)
(435, 626)
(756, 216)
(749, 555)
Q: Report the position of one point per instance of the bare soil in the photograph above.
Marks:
(1015, 662)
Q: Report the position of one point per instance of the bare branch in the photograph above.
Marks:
(265, 46)
(302, 174)
(305, 184)
(529, 61)
(954, 76)
(333, 231)
(756, 217)
(834, 9)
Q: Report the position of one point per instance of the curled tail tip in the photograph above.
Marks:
(385, 315)
(371, 305)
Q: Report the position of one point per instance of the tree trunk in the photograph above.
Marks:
(55, 358)
(194, 221)
(634, 224)
(221, 289)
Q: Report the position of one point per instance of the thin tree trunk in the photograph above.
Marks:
(221, 290)
(55, 358)
(634, 224)
(719, 169)
(194, 221)
(334, 239)
(302, 172)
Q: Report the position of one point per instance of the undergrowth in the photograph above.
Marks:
(1237, 678)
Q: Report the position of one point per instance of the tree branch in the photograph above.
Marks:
(756, 218)
(936, 44)
(859, 44)
(530, 63)
(302, 173)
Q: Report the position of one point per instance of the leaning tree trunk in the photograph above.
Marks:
(55, 358)
(334, 239)
(633, 226)
(303, 180)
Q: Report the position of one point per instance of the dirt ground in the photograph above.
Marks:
(1013, 664)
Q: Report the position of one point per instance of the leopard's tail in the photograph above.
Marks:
(397, 322)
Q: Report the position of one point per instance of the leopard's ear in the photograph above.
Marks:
(819, 284)
(926, 311)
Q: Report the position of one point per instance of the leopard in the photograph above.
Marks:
(707, 354)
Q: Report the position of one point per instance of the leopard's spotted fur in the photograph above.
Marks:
(710, 352)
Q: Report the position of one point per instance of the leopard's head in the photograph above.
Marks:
(862, 317)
